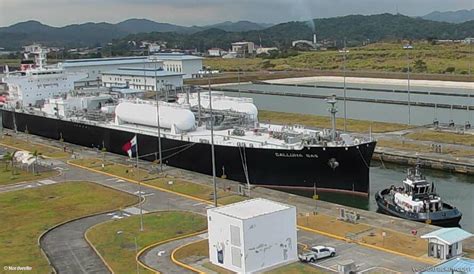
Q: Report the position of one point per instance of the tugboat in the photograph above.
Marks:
(417, 201)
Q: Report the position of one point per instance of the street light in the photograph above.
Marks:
(345, 51)
(155, 61)
(212, 138)
(408, 47)
(121, 232)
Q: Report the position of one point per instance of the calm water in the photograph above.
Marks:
(454, 188)
(366, 111)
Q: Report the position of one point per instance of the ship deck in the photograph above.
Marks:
(226, 138)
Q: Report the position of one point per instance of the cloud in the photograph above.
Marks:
(201, 12)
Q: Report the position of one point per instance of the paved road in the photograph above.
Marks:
(365, 258)
(68, 250)
(159, 257)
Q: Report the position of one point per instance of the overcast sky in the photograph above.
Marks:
(201, 12)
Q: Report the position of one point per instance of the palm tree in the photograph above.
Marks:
(35, 155)
(9, 157)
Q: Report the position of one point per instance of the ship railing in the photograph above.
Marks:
(148, 102)
(257, 143)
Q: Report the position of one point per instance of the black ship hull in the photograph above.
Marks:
(449, 217)
(306, 168)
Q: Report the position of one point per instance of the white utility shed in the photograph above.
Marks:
(252, 235)
(446, 243)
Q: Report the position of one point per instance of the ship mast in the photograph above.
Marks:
(333, 110)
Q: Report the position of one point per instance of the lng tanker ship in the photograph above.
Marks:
(246, 150)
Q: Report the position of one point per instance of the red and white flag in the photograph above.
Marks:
(130, 147)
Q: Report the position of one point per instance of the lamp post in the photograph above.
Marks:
(212, 138)
(344, 52)
(155, 61)
(408, 47)
(238, 80)
(120, 232)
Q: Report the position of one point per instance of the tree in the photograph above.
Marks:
(35, 155)
(10, 158)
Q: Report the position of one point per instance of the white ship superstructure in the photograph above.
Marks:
(34, 84)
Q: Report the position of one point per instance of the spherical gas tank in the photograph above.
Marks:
(145, 114)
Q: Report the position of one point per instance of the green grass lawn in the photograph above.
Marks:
(118, 249)
(325, 122)
(442, 137)
(47, 151)
(296, 268)
(180, 186)
(6, 176)
(25, 214)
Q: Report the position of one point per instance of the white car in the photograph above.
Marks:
(323, 251)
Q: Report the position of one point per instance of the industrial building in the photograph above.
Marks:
(252, 235)
(215, 52)
(142, 79)
(243, 49)
(93, 67)
(189, 65)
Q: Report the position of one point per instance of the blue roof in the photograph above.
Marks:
(448, 235)
(177, 56)
(104, 61)
(126, 60)
(456, 265)
(141, 72)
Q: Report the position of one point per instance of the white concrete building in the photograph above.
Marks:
(265, 50)
(93, 67)
(189, 65)
(32, 48)
(469, 41)
(243, 49)
(215, 52)
(446, 243)
(252, 235)
(141, 79)
(154, 47)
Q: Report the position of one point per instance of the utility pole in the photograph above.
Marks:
(155, 60)
(345, 51)
(407, 48)
(139, 187)
(238, 80)
(212, 139)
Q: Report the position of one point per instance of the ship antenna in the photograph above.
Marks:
(333, 110)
